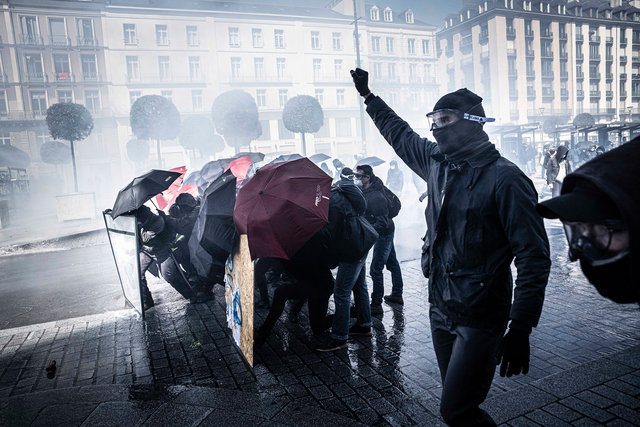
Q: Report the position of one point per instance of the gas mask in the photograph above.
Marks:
(358, 182)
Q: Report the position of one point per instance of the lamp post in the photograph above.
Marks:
(356, 36)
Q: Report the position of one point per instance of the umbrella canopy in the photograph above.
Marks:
(141, 189)
(213, 234)
(255, 157)
(285, 158)
(371, 161)
(169, 196)
(319, 157)
(239, 163)
(194, 178)
(13, 157)
(282, 207)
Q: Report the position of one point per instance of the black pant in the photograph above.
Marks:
(262, 266)
(316, 290)
(169, 270)
(467, 361)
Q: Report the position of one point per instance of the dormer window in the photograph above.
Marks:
(388, 15)
(409, 16)
(375, 13)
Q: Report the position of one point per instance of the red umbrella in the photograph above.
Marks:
(281, 207)
(167, 197)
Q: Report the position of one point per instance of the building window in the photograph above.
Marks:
(92, 100)
(193, 38)
(162, 35)
(65, 96)
(281, 68)
(390, 44)
(258, 68)
(388, 15)
(167, 94)
(315, 39)
(377, 70)
(133, 68)
(196, 99)
(29, 28)
(164, 68)
(337, 41)
(85, 32)
(375, 44)
(234, 37)
(317, 69)
(58, 32)
(278, 38)
(194, 67)
(343, 127)
(61, 66)
(337, 68)
(34, 66)
(261, 97)
(409, 16)
(256, 36)
(375, 14)
(235, 68)
(411, 46)
(89, 68)
(38, 103)
(340, 96)
(282, 97)
(134, 95)
(425, 47)
(392, 70)
(3, 109)
(5, 137)
(320, 96)
(130, 36)
(413, 72)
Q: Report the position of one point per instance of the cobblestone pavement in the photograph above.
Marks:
(585, 363)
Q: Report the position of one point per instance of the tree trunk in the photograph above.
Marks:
(75, 173)
(304, 146)
(159, 157)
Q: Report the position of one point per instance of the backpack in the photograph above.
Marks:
(355, 237)
(394, 202)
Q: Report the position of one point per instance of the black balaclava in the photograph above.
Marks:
(614, 281)
(186, 202)
(455, 140)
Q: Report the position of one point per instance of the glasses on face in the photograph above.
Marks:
(600, 244)
(442, 118)
(360, 175)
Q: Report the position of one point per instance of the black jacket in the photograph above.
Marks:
(378, 207)
(484, 219)
(157, 235)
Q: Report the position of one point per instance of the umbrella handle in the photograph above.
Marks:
(154, 204)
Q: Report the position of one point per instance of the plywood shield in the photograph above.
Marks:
(239, 286)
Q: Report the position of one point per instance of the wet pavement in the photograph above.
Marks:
(585, 364)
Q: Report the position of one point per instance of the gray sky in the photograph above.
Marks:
(430, 11)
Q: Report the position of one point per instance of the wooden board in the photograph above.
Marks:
(239, 286)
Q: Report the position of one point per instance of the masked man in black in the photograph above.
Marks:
(598, 206)
(480, 216)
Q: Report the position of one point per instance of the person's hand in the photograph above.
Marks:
(361, 81)
(514, 352)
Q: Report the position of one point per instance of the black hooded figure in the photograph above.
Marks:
(480, 216)
(604, 194)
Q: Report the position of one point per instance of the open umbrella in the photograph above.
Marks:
(319, 157)
(254, 156)
(194, 178)
(239, 164)
(141, 189)
(285, 158)
(169, 196)
(213, 234)
(282, 207)
(371, 161)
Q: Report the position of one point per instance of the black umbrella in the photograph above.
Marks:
(141, 189)
(371, 161)
(213, 169)
(286, 158)
(213, 235)
(319, 157)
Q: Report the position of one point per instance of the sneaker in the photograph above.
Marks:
(332, 345)
(364, 331)
(376, 309)
(394, 299)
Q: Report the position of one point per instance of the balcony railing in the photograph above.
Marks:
(531, 92)
(484, 38)
(564, 75)
(511, 52)
(528, 33)
(635, 76)
(609, 40)
(563, 55)
(623, 41)
(623, 94)
(546, 55)
(547, 74)
(579, 56)
(595, 57)
(531, 74)
(594, 76)
(580, 93)
(87, 42)
(579, 75)
(594, 94)
(59, 41)
(579, 37)
(90, 77)
(466, 43)
(36, 77)
(608, 58)
(623, 59)
(609, 93)
(547, 93)
(594, 39)
(609, 76)
(564, 93)
(131, 41)
(635, 60)
(623, 76)
(64, 77)
(511, 33)
(31, 39)
(275, 78)
(546, 35)
(162, 41)
(635, 94)
(530, 53)
(563, 36)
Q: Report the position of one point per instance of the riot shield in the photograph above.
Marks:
(123, 238)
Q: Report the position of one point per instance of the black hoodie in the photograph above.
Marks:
(617, 174)
(378, 207)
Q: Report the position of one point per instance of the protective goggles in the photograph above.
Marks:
(446, 117)
(598, 244)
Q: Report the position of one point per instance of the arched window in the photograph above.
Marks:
(409, 16)
(388, 16)
(375, 13)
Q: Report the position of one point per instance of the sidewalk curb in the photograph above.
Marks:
(20, 248)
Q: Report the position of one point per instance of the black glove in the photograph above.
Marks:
(361, 80)
(514, 353)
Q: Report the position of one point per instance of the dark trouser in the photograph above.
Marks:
(318, 294)
(467, 361)
(181, 254)
(168, 269)
(262, 266)
(384, 254)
